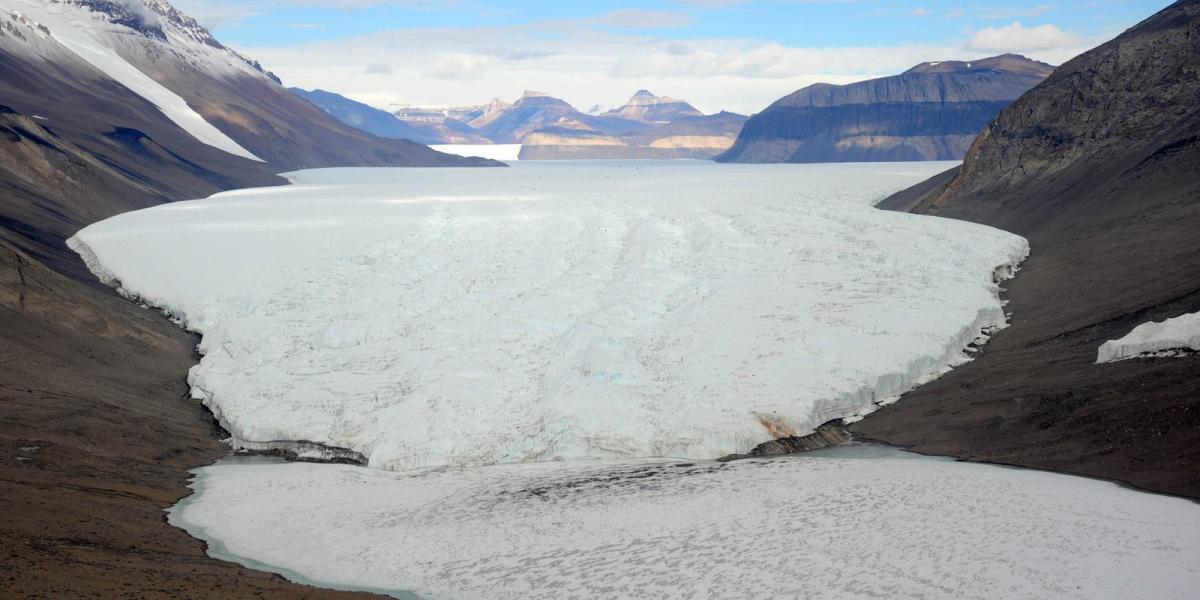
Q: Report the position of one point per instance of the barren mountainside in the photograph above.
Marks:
(930, 112)
(1097, 167)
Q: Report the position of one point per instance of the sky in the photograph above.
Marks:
(737, 55)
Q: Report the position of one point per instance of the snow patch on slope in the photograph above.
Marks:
(94, 39)
(1172, 337)
(890, 526)
(428, 317)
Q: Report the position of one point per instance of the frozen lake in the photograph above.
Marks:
(857, 522)
(423, 317)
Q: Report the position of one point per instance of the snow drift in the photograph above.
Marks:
(1168, 338)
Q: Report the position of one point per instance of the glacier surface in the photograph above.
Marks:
(504, 152)
(1172, 336)
(420, 317)
(890, 526)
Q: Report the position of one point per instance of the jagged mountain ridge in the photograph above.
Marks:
(1096, 166)
(933, 111)
(648, 126)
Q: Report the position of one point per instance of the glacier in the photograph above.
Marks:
(846, 525)
(1167, 338)
(409, 318)
(504, 152)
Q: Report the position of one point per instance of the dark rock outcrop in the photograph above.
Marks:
(1097, 168)
(827, 435)
(930, 112)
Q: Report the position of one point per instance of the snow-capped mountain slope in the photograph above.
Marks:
(93, 35)
(216, 94)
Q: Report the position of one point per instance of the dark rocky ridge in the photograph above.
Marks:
(930, 112)
(1097, 168)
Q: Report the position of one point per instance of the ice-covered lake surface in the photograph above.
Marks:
(857, 523)
(423, 317)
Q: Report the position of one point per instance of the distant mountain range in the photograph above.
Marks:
(933, 111)
(647, 126)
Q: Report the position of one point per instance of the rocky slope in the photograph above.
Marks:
(1097, 168)
(930, 112)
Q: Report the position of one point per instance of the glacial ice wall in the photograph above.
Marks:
(557, 311)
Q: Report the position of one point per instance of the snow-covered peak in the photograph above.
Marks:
(152, 19)
(115, 36)
(646, 98)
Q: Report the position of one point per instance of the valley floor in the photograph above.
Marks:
(93, 453)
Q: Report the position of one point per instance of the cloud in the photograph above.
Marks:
(140, 11)
(214, 15)
(750, 60)
(1018, 38)
(602, 59)
(919, 11)
(1015, 13)
(460, 66)
(644, 19)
